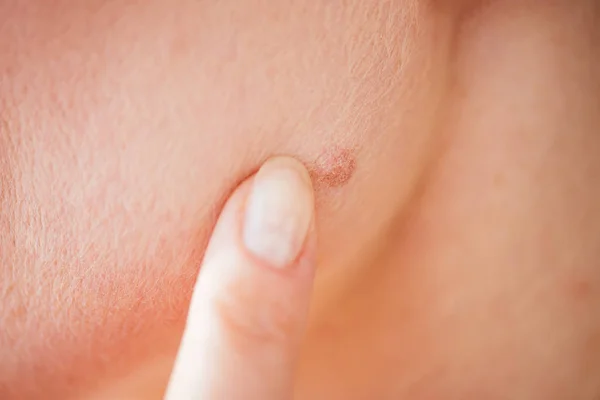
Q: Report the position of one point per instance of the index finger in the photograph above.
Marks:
(250, 303)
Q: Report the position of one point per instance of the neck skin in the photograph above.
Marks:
(482, 281)
(487, 284)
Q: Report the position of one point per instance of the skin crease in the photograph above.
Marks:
(458, 241)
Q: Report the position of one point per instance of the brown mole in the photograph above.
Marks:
(333, 168)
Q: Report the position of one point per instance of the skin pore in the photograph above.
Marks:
(453, 144)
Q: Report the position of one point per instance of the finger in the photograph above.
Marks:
(250, 303)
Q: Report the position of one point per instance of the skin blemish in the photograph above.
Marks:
(333, 168)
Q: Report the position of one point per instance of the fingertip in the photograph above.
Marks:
(279, 212)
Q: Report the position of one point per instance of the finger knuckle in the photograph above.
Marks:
(250, 321)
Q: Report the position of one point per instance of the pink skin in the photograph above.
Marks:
(453, 145)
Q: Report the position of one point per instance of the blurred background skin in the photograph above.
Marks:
(460, 261)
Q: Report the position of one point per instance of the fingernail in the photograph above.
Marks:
(279, 211)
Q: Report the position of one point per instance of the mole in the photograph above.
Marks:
(333, 168)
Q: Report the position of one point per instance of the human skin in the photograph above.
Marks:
(458, 261)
